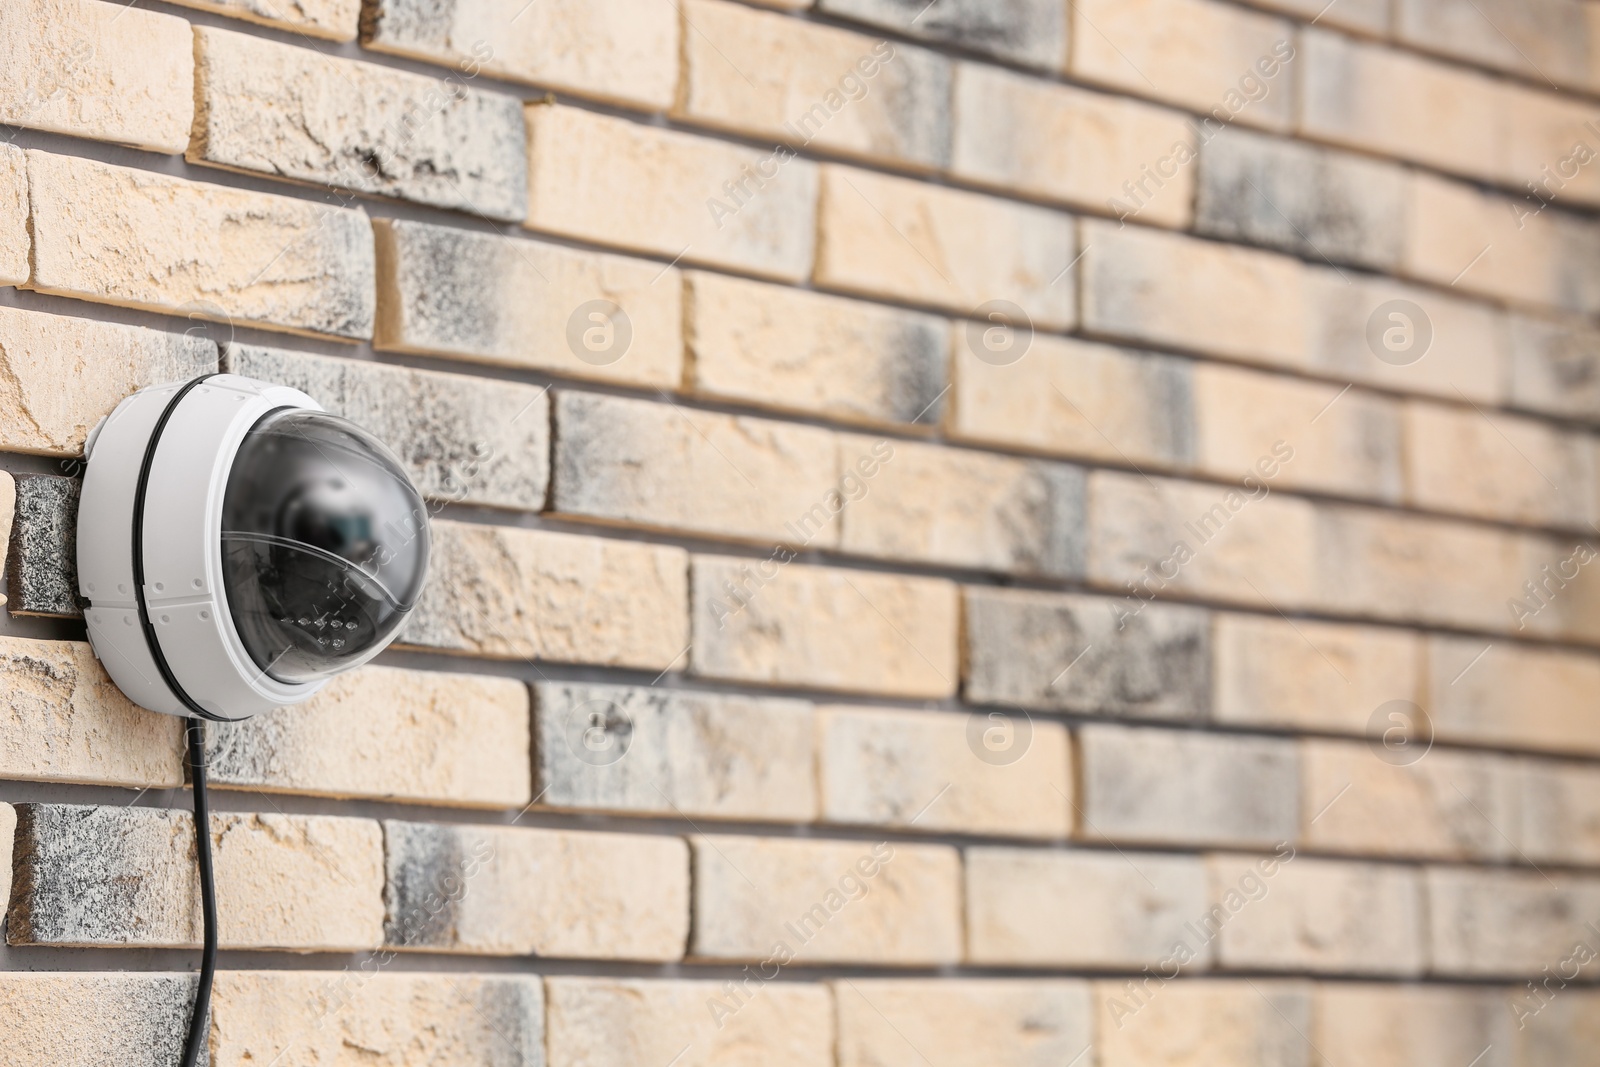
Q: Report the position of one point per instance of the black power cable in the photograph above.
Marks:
(208, 894)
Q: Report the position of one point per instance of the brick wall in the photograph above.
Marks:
(995, 532)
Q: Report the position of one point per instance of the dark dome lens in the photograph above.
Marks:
(324, 544)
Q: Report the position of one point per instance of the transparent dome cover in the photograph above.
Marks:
(325, 544)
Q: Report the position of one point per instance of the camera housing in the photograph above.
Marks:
(239, 546)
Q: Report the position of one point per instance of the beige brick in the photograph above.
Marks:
(1559, 812)
(87, 1019)
(1513, 695)
(769, 76)
(334, 20)
(764, 899)
(1555, 366)
(1550, 141)
(8, 512)
(1365, 16)
(1150, 537)
(14, 237)
(784, 624)
(145, 240)
(392, 1019)
(493, 299)
(1049, 908)
(1030, 32)
(1246, 424)
(672, 752)
(1323, 916)
(930, 771)
(888, 1022)
(1543, 39)
(519, 594)
(1498, 467)
(1559, 1033)
(962, 508)
(625, 51)
(126, 876)
(663, 466)
(1161, 786)
(1169, 290)
(1507, 923)
(66, 721)
(669, 194)
(1071, 398)
(299, 114)
(1248, 1023)
(504, 891)
(625, 1022)
(96, 70)
(1410, 1026)
(8, 835)
(391, 734)
(1445, 805)
(906, 240)
(1311, 675)
(794, 350)
(1084, 149)
(1559, 594)
(1229, 63)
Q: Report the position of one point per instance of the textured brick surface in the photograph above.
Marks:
(1559, 810)
(1368, 16)
(1507, 923)
(924, 771)
(1386, 1026)
(331, 19)
(14, 236)
(1036, 908)
(1563, 1032)
(1541, 40)
(288, 112)
(826, 901)
(41, 562)
(1242, 1024)
(1515, 696)
(89, 1019)
(121, 236)
(1556, 366)
(1033, 32)
(8, 512)
(888, 1021)
(674, 753)
(490, 890)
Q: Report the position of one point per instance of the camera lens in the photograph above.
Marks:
(324, 544)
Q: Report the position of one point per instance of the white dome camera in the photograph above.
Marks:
(239, 546)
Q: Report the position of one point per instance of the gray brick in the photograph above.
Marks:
(1555, 366)
(42, 561)
(1020, 646)
(97, 1020)
(1033, 32)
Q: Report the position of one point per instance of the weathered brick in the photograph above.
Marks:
(1162, 786)
(825, 901)
(929, 771)
(810, 85)
(1549, 142)
(1310, 675)
(14, 239)
(888, 1022)
(85, 1019)
(1555, 366)
(660, 465)
(1563, 1032)
(8, 836)
(1323, 916)
(1031, 32)
(312, 1018)
(1086, 149)
(1540, 39)
(1230, 63)
(674, 195)
(502, 891)
(42, 560)
(1170, 290)
(1063, 652)
(963, 508)
(97, 70)
(1314, 202)
(520, 594)
(625, 1022)
(8, 511)
(1558, 812)
(1507, 923)
(1513, 695)
(619, 50)
(906, 240)
(1049, 908)
(1204, 1024)
(1311, 435)
(66, 721)
(1150, 537)
(334, 20)
(299, 114)
(494, 299)
(146, 240)
(1498, 467)
(126, 876)
(1410, 1026)
(465, 440)
(671, 752)
(795, 350)
(391, 734)
(1072, 398)
(1367, 16)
